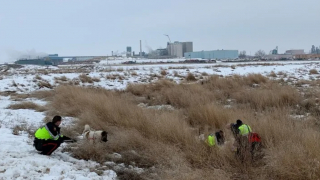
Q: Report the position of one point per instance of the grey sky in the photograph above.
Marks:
(96, 27)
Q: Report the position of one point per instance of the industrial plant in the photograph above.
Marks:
(293, 54)
(214, 54)
(177, 49)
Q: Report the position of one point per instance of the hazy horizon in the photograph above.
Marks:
(97, 27)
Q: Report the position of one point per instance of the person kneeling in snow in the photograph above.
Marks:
(48, 138)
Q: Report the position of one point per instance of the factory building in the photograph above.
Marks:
(278, 57)
(162, 52)
(177, 49)
(294, 51)
(33, 61)
(215, 54)
(129, 51)
(51, 59)
(187, 47)
(288, 55)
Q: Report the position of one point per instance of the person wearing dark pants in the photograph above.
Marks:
(46, 147)
(48, 138)
(241, 132)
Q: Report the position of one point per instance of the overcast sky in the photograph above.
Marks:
(97, 27)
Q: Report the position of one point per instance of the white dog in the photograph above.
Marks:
(94, 136)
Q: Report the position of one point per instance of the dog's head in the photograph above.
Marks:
(104, 136)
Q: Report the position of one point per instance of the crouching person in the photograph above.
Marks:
(215, 138)
(48, 138)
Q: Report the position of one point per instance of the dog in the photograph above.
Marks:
(94, 136)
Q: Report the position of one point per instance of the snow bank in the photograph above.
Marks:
(19, 160)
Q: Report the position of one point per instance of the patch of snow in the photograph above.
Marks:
(26, 82)
(19, 160)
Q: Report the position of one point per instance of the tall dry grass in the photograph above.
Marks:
(167, 140)
(152, 132)
(103, 108)
(263, 98)
(209, 114)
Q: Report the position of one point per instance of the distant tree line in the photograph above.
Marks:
(242, 54)
(260, 53)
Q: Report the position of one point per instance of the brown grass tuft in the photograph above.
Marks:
(62, 78)
(85, 78)
(44, 84)
(255, 79)
(19, 97)
(204, 74)
(96, 79)
(273, 74)
(120, 69)
(45, 94)
(27, 105)
(87, 151)
(23, 127)
(313, 71)
(134, 73)
(163, 72)
(190, 77)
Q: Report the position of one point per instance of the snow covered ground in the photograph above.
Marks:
(19, 160)
(118, 76)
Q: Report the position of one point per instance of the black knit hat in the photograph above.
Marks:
(239, 122)
(56, 119)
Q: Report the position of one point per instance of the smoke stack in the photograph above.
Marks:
(140, 48)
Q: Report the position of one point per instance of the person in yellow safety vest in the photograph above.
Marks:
(241, 132)
(215, 138)
(48, 138)
(243, 129)
(240, 129)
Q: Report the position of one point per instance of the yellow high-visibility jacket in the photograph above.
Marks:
(211, 140)
(244, 129)
(49, 131)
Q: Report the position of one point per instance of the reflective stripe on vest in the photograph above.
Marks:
(44, 133)
(211, 140)
(244, 130)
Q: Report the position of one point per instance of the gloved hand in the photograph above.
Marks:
(61, 140)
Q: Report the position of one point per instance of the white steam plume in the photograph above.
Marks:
(28, 54)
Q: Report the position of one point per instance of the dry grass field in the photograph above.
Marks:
(165, 142)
